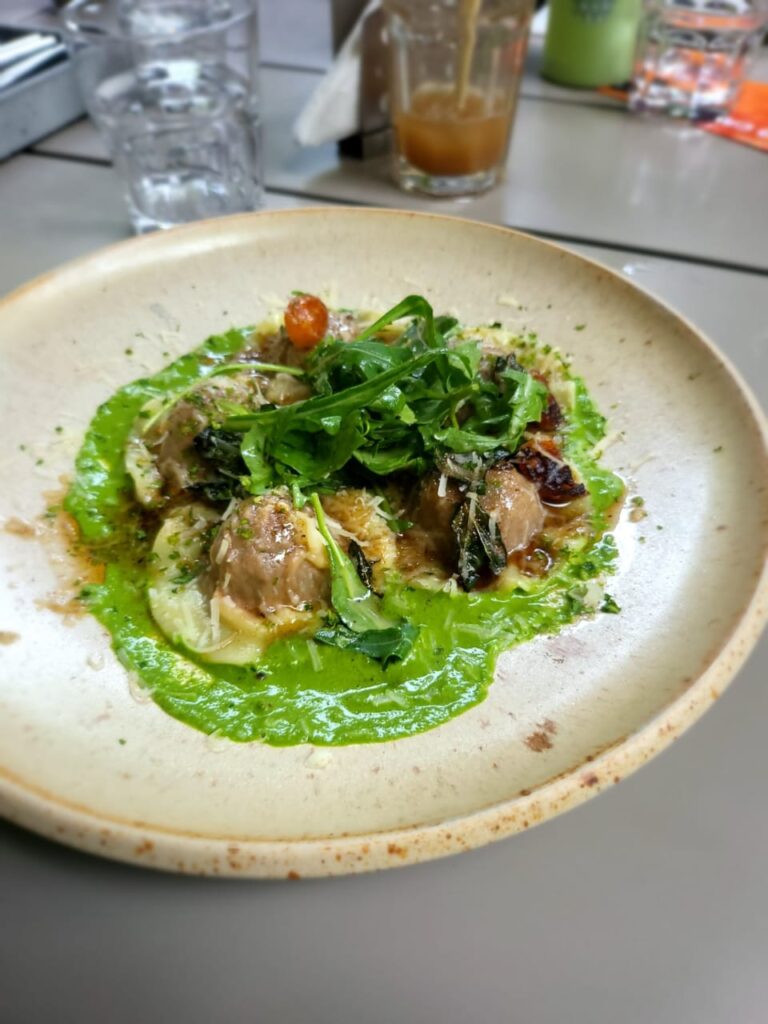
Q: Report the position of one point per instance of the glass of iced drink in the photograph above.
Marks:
(455, 72)
(693, 55)
(172, 85)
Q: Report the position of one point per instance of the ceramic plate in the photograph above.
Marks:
(83, 761)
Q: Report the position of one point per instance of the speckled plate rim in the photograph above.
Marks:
(186, 852)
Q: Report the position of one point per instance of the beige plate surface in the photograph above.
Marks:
(83, 761)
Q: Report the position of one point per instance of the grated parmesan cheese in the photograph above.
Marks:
(314, 655)
(646, 458)
(223, 549)
(137, 690)
(606, 442)
(215, 609)
(318, 758)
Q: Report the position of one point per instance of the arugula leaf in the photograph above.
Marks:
(262, 472)
(500, 416)
(381, 644)
(350, 400)
(354, 603)
(528, 401)
(411, 305)
(308, 457)
(334, 365)
(445, 325)
(222, 370)
(392, 459)
(358, 608)
(384, 408)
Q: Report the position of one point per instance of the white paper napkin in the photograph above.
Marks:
(333, 110)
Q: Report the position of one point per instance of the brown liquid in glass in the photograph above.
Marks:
(439, 137)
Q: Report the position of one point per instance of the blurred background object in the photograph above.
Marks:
(693, 57)
(574, 44)
(455, 73)
(37, 88)
(22, 53)
(350, 105)
(590, 42)
(172, 86)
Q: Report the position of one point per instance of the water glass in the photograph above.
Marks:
(455, 71)
(172, 86)
(693, 55)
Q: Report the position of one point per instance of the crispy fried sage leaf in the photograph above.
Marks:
(480, 546)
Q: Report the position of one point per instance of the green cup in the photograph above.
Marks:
(591, 42)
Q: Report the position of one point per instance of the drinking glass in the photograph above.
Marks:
(693, 55)
(590, 43)
(455, 72)
(172, 86)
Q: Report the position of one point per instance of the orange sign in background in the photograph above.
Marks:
(747, 121)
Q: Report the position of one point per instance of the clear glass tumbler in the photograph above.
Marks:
(693, 55)
(172, 86)
(455, 72)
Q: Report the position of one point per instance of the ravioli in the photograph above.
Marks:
(328, 537)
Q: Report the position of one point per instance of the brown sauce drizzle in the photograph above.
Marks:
(73, 566)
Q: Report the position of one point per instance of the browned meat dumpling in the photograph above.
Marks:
(514, 504)
(276, 348)
(172, 445)
(268, 556)
(170, 441)
(342, 326)
(437, 500)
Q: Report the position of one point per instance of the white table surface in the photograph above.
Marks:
(576, 171)
(649, 905)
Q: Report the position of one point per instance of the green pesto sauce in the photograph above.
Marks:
(302, 692)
